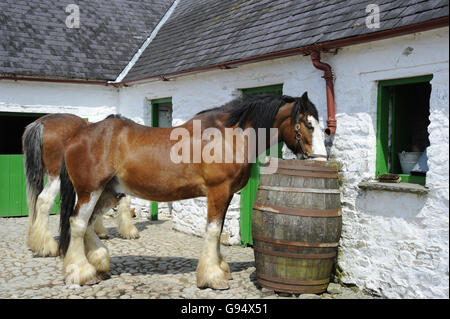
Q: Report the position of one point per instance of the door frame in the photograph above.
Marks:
(155, 123)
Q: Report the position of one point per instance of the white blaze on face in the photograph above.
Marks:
(318, 140)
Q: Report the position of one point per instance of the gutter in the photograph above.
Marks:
(328, 76)
(54, 80)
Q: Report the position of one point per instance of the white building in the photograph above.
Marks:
(395, 238)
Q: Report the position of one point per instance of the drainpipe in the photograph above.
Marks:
(328, 76)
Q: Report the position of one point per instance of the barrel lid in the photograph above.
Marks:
(318, 166)
(304, 168)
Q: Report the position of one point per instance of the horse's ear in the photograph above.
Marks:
(305, 96)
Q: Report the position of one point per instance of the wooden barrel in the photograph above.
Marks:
(296, 226)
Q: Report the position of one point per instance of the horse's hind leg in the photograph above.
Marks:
(77, 268)
(124, 224)
(97, 253)
(39, 238)
(212, 270)
(100, 230)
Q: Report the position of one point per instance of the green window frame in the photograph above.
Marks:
(248, 193)
(155, 123)
(386, 153)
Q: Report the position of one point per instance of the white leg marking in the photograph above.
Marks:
(101, 231)
(318, 139)
(76, 266)
(96, 252)
(40, 239)
(209, 270)
(124, 224)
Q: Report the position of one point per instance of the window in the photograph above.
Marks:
(162, 112)
(402, 122)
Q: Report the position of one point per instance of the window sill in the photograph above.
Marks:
(394, 187)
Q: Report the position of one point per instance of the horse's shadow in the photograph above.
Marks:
(150, 265)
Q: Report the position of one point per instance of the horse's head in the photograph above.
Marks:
(299, 128)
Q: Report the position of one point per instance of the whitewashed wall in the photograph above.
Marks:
(88, 101)
(398, 249)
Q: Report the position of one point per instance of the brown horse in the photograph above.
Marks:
(43, 143)
(118, 156)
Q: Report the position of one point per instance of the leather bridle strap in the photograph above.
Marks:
(299, 140)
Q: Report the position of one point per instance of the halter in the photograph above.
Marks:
(299, 140)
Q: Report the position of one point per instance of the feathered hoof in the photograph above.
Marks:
(100, 259)
(226, 269)
(84, 274)
(43, 246)
(216, 285)
(103, 275)
(212, 277)
(103, 235)
(130, 232)
(48, 251)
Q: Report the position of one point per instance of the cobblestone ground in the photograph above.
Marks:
(160, 264)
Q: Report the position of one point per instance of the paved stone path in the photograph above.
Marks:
(160, 264)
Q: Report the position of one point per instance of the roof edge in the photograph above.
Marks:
(324, 46)
(55, 80)
(146, 43)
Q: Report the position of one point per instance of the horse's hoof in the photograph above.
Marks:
(81, 274)
(132, 233)
(47, 253)
(49, 248)
(103, 275)
(95, 280)
(220, 285)
(103, 236)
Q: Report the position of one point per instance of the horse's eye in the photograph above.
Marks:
(309, 127)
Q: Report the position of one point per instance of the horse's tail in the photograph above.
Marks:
(33, 164)
(67, 208)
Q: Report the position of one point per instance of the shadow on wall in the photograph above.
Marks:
(390, 204)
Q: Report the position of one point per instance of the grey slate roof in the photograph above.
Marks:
(207, 32)
(34, 39)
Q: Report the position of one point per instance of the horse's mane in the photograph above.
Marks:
(116, 116)
(260, 110)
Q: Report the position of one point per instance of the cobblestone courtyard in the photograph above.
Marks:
(160, 264)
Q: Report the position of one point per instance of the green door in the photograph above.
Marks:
(248, 193)
(13, 197)
(161, 117)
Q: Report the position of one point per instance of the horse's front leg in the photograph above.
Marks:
(212, 270)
